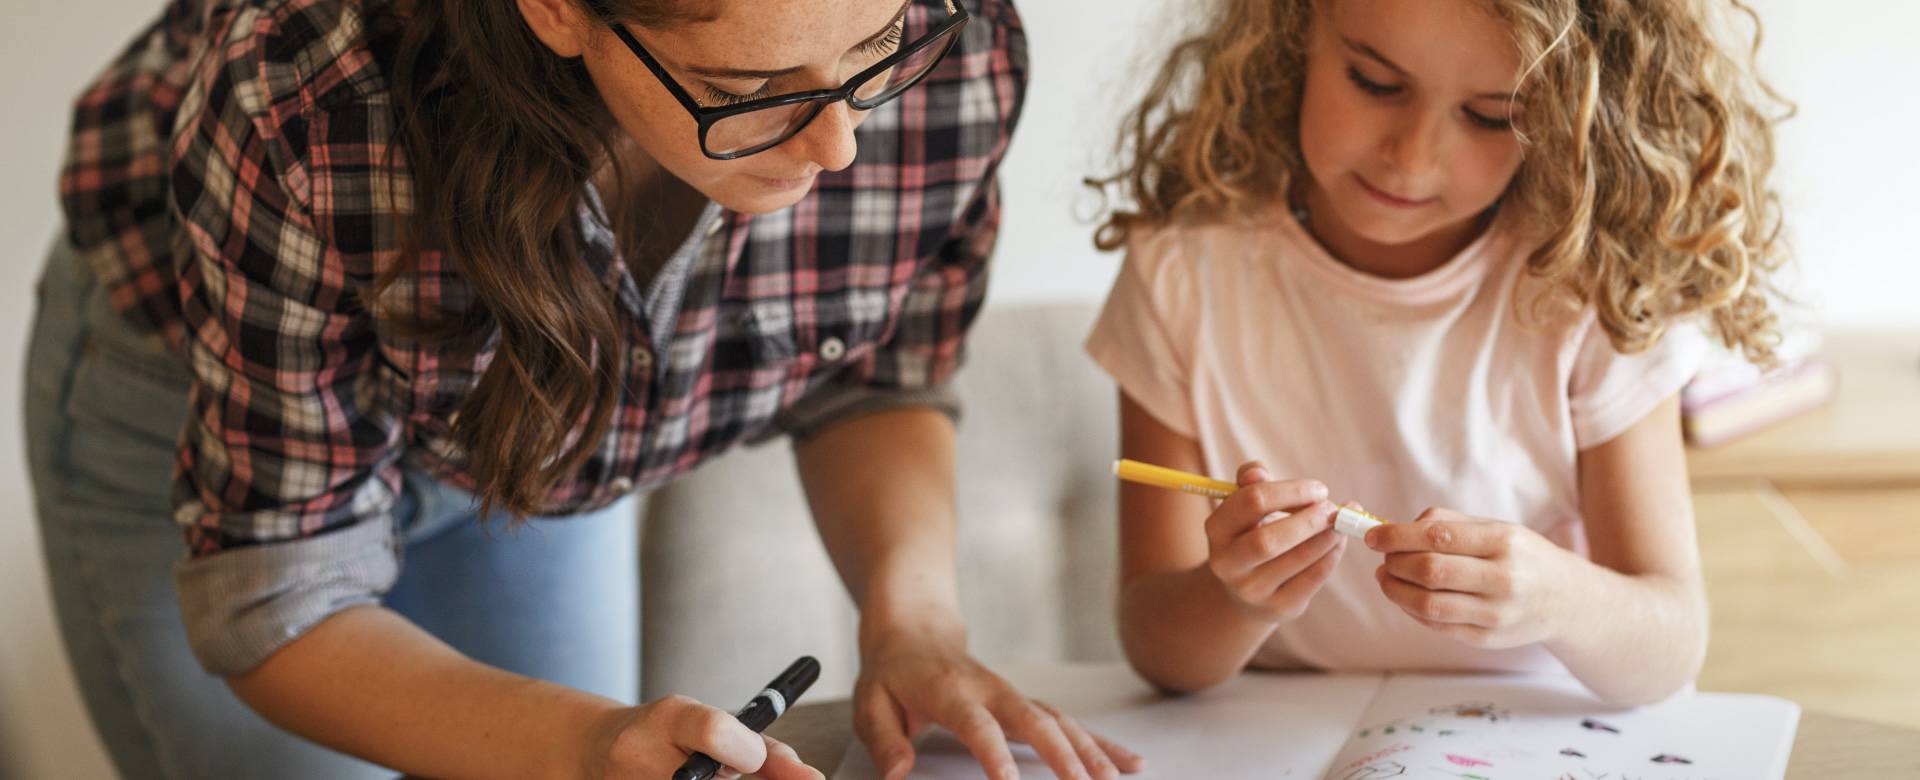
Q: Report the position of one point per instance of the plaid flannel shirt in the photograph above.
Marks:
(227, 182)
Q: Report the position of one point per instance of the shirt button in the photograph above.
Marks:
(832, 349)
(622, 485)
(642, 359)
(714, 228)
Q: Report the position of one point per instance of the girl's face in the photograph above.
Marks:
(1406, 122)
(747, 50)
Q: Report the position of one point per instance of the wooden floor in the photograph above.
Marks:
(1785, 624)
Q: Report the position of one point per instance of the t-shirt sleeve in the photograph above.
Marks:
(1139, 338)
(1609, 392)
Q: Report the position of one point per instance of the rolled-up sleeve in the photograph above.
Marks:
(286, 477)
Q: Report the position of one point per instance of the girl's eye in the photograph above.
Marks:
(1487, 122)
(1370, 86)
(722, 97)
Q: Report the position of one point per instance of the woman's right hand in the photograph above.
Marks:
(652, 740)
(1272, 544)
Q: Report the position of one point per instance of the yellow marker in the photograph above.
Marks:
(1171, 479)
(1347, 520)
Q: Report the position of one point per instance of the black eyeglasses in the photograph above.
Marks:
(733, 131)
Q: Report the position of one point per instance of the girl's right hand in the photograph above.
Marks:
(652, 740)
(1272, 544)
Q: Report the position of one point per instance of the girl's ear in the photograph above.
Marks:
(562, 25)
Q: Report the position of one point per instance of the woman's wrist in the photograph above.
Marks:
(932, 621)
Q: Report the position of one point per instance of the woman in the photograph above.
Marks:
(345, 278)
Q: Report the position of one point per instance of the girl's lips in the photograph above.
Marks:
(1389, 198)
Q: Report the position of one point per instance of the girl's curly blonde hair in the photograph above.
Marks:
(1645, 174)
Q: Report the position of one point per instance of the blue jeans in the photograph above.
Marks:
(104, 407)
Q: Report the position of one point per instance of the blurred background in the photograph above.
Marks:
(1807, 527)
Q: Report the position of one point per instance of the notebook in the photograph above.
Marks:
(1376, 727)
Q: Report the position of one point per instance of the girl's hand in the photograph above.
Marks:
(654, 739)
(1486, 583)
(911, 677)
(1272, 544)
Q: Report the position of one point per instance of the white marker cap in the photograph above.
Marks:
(1353, 523)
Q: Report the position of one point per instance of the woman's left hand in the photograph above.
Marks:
(910, 679)
(1486, 583)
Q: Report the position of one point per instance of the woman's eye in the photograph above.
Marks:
(723, 97)
(1370, 86)
(886, 44)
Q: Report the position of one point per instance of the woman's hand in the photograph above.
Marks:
(1272, 544)
(1486, 583)
(914, 676)
(652, 740)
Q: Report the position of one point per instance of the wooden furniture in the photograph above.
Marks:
(1869, 435)
(1810, 539)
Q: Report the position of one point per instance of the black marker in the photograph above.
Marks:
(759, 713)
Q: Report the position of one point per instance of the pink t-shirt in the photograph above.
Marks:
(1400, 394)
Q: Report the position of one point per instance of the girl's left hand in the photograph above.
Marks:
(1486, 583)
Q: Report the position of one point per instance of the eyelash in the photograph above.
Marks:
(726, 98)
(888, 42)
(1378, 89)
(883, 43)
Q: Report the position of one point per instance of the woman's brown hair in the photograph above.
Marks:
(1645, 176)
(499, 137)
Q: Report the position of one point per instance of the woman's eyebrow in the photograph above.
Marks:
(749, 73)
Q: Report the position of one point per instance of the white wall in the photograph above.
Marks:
(1849, 165)
(47, 51)
(1849, 169)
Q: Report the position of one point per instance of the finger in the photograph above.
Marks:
(1252, 472)
(980, 732)
(1440, 571)
(878, 723)
(1095, 749)
(1436, 605)
(1462, 536)
(1293, 595)
(1127, 760)
(1272, 541)
(1462, 632)
(698, 728)
(1041, 730)
(1250, 505)
(1267, 576)
(1092, 754)
(783, 763)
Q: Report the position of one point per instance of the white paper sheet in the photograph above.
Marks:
(1375, 727)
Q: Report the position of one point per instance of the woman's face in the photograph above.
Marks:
(748, 49)
(1406, 119)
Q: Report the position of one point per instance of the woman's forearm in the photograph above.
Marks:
(881, 490)
(367, 682)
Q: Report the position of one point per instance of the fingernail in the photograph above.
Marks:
(1373, 537)
(1272, 517)
(1259, 474)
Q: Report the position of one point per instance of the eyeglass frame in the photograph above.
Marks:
(708, 116)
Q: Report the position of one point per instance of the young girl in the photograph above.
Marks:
(1444, 258)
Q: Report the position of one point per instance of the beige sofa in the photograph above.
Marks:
(735, 582)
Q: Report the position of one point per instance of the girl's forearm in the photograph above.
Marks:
(1183, 632)
(1633, 639)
